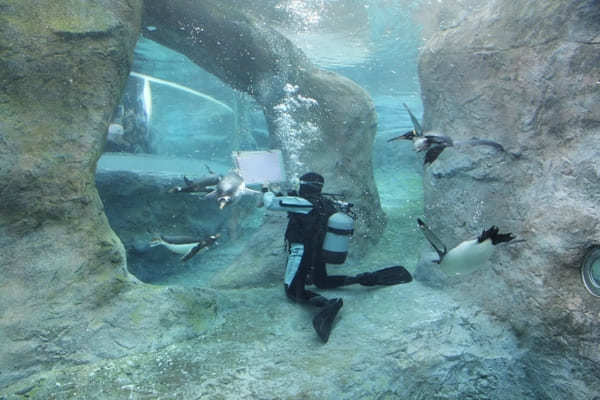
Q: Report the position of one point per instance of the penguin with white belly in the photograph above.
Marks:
(224, 189)
(469, 255)
(187, 246)
(433, 143)
(230, 189)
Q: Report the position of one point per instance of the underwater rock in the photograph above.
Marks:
(428, 272)
(260, 261)
(66, 295)
(425, 345)
(68, 19)
(485, 72)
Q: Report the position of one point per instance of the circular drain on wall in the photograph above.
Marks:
(590, 271)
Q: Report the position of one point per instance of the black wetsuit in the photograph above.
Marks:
(309, 230)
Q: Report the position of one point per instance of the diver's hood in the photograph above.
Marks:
(311, 184)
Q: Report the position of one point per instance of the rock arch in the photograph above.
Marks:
(308, 110)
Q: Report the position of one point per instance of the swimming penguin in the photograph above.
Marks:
(185, 245)
(469, 255)
(230, 189)
(225, 189)
(434, 143)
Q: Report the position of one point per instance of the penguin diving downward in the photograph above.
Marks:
(469, 255)
(225, 189)
(184, 245)
(433, 143)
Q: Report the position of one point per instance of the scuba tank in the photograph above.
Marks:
(340, 226)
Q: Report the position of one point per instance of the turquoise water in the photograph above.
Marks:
(198, 120)
(219, 326)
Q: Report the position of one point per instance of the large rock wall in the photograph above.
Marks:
(526, 75)
(66, 295)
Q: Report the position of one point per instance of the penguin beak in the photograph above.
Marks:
(406, 136)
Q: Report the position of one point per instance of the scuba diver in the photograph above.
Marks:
(318, 234)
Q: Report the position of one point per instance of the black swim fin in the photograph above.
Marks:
(323, 321)
(386, 276)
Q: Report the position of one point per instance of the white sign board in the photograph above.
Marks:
(258, 167)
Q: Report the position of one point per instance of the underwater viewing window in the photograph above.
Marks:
(176, 121)
(590, 271)
(171, 107)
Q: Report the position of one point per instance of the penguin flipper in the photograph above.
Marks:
(199, 186)
(211, 195)
(432, 238)
(495, 236)
(439, 140)
(206, 181)
(194, 251)
(415, 122)
(210, 171)
(187, 181)
(432, 154)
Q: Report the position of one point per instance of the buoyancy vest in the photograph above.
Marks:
(310, 229)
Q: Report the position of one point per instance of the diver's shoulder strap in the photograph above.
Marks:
(292, 204)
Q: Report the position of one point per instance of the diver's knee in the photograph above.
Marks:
(290, 292)
(320, 283)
